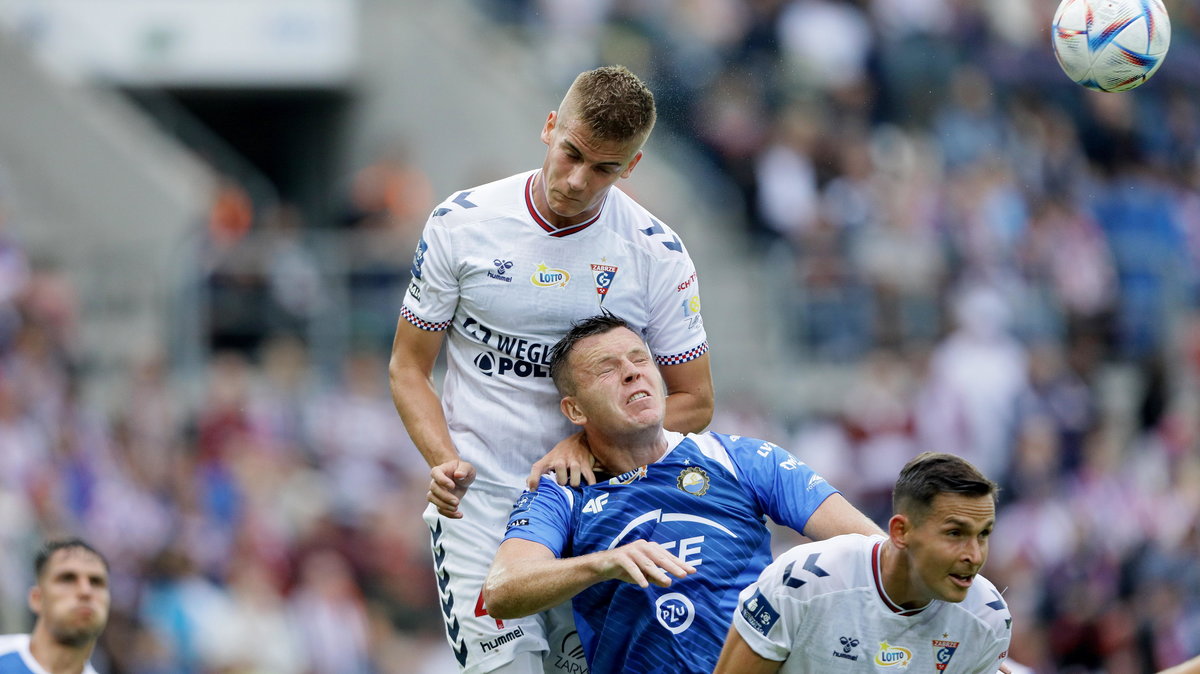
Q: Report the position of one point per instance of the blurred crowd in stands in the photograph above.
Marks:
(1008, 265)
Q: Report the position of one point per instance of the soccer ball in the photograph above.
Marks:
(1110, 45)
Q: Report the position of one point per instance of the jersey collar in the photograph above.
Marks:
(549, 228)
(877, 573)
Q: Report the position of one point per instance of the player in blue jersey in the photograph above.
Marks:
(653, 556)
(70, 600)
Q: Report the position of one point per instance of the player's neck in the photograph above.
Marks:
(896, 572)
(538, 192)
(621, 454)
(56, 658)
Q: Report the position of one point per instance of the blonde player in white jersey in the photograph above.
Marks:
(505, 269)
(912, 601)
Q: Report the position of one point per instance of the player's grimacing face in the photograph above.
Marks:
(579, 169)
(950, 545)
(618, 386)
(72, 596)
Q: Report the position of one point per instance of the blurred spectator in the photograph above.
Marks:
(976, 377)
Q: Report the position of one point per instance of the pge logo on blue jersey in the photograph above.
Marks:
(675, 612)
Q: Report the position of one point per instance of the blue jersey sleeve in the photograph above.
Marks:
(786, 489)
(543, 516)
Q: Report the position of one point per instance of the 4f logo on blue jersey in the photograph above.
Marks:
(597, 504)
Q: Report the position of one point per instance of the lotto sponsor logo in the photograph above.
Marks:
(893, 656)
(414, 290)
(524, 521)
(546, 277)
(501, 640)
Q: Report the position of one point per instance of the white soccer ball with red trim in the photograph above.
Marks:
(1110, 45)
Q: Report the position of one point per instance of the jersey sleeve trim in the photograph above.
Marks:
(422, 323)
(690, 354)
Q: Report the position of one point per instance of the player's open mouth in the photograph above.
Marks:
(962, 580)
(637, 396)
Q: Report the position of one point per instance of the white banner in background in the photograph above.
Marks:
(192, 43)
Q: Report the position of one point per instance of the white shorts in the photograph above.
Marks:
(463, 550)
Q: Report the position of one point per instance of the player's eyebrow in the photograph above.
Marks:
(571, 146)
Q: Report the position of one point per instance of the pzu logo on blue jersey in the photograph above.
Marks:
(675, 612)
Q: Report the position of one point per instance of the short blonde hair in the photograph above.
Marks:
(612, 103)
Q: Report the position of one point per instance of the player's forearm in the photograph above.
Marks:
(421, 411)
(688, 412)
(525, 587)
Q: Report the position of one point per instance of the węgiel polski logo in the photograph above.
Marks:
(675, 612)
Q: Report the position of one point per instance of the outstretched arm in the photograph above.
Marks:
(836, 516)
(527, 578)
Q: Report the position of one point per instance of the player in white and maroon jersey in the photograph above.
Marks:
(912, 601)
(504, 269)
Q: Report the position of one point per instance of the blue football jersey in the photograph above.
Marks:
(706, 501)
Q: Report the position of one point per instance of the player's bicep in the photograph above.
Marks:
(520, 551)
(836, 516)
(690, 390)
(543, 517)
(786, 488)
(414, 349)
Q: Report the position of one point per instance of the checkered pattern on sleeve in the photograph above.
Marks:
(422, 323)
(690, 354)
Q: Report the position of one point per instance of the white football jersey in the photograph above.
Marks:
(821, 607)
(508, 286)
(15, 657)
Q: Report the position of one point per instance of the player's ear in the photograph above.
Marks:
(35, 599)
(633, 162)
(571, 409)
(548, 127)
(898, 528)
